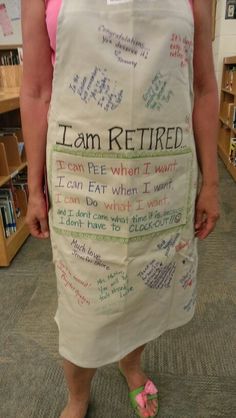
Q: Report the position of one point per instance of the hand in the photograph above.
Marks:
(37, 217)
(207, 211)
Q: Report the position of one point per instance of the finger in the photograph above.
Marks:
(44, 227)
(207, 228)
(199, 218)
(34, 228)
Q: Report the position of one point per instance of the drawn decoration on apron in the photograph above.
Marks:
(122, 175)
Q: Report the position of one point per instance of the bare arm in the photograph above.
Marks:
(205, 115)
(205, 120)
(35, 97)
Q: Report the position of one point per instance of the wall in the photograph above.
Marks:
(224, 44)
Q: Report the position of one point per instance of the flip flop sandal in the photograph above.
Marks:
(140, 396)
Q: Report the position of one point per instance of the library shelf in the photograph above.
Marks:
(233, 93)
(15, 171)
(12, 160)
(10, 246)
(9, 99)
(227, 125)
(227, 117)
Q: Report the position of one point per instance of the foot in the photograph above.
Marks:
(135, 378)
(75, 409)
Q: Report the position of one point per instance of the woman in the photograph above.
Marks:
(133, 113)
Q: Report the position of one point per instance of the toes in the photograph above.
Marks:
(155, 402)
(144, 413)
(150, 410)
(152, 407)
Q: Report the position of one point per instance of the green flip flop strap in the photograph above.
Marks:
(154, 396)
(134, 403)
(133, 394)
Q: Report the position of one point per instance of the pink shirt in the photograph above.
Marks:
(52, 11)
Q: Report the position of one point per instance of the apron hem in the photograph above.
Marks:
(67, 355)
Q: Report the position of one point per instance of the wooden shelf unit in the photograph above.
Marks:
(9, 99)
(227, 119)
(11, 163)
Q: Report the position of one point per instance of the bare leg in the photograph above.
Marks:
(79, 382)
(131, 366)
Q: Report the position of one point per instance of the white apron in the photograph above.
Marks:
(122, 175)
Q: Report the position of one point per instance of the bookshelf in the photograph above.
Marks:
(9, 100)
(227, 129)
(13, 164)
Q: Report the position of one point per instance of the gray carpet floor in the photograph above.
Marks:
(194, 365)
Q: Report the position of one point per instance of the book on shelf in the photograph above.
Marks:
(232, 151)
(21, 146)
(6, 202)
(20, 182)
(227, 112)
(8, 192)
(23, 188)
(11, 68)
(13, 56)
(20, 55)
(234, 118)
(22, 175)
(13, 202)
(15, 198)
(3, 213)
(230, 79)
(4, 221)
